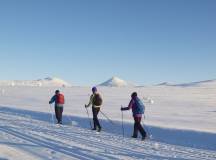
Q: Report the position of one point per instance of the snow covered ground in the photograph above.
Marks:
(182, 122)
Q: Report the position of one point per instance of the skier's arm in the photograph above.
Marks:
(129, 106)
(124, 108)
(90, 101)
(52, 100)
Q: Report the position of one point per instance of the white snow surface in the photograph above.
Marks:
(116, 82)
(46, 82)
(181, 122)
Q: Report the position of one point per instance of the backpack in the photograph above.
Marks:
(97, 100)
(139, 107)
(60, 99)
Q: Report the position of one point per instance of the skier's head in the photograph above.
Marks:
(94, 89)
(134, 95)
(57, 92)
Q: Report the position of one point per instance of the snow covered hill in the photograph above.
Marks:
(192, 84)
(46, 82)
(115, 82)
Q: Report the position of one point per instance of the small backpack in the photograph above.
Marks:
(97, 100)
(60, 99)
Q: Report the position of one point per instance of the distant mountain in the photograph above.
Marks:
(163, 84)
(115, 82)
(46, 82)
(192, 84)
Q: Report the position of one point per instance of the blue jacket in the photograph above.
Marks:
(137, 107)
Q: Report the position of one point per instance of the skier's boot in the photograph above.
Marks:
(99, 129)
(143, 138)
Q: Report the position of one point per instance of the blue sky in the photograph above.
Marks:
(86, 42)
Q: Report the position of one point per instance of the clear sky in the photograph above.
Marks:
(85, 42)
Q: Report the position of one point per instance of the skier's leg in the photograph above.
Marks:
(58, 109)
(140, 128)
(135, 133)
(56, 112)
(97, 120)
(60, 114)
(94, 117)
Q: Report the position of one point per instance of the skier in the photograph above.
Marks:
(96, 102)
(138, 110)
(58, 98)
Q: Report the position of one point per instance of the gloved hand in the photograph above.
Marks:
(49, 102)
(86, 106)
(124, 108)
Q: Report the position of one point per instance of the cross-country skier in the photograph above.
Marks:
(138, 110)
(96, 102)
(58, 98)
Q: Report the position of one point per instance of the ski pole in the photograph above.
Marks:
(122, 124)
(107, 118)
(52, 114)
(88, 117)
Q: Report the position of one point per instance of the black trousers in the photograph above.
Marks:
(58, 113)
(95, 112)
(138, 127)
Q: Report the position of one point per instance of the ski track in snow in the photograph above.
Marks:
(24, 137)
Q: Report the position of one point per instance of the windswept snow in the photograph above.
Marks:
(115, 82)
(46, 82)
